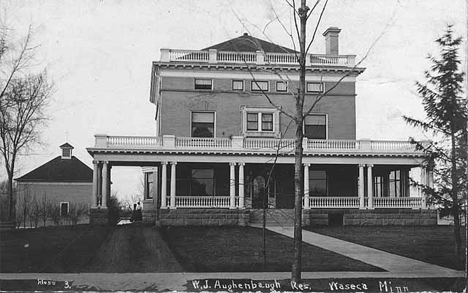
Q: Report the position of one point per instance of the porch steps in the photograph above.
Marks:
(274, 217)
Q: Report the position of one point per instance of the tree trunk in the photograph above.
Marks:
(298, 171)
(455, 206)
(11, 214)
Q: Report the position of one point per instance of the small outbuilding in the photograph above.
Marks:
(64, 182)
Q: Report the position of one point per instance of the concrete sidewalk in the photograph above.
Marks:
(387, 261)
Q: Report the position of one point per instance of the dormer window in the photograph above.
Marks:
(66, 151)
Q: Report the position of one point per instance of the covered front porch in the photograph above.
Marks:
(240, 186)
(242, 173)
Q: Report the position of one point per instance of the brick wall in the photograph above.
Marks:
(204, 217)
(377, 217)
(180, 98)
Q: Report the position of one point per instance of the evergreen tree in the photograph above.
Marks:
(445, 108)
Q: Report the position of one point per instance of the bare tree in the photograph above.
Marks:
(76, 212)
(23, 98)
(35, 213)
(304, 104)
(43, 207)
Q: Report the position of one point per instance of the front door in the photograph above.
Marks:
(261, 195)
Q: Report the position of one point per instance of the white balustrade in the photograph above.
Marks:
(399, 146)
(176, 55)
(334, 202)
(203, 142)
(134, 141)
(254, 144)
(281, 58)
(237, 57)
(397, 202)
(269, 143)
(332, 144)
(203, 201)
(331, 60)
(188, 55)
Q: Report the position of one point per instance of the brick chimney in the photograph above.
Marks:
(331, 40)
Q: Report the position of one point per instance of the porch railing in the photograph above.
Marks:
(397, 202)
(240, 143)
(203, 201)
(315, 202)
(259, 58)
(334, 202)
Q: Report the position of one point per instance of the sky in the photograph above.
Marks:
(98, 55)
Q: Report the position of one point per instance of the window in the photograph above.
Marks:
(253, 120)
(202, 182)
(315, 87)
(394, 184)
(203, 84)
(66, 153)
(202, 124)
(64, 209)
(149, 181)
(379, 187)
(315, 126)
(317, 182)
(237, 85)
(259, 86)
(281, 86)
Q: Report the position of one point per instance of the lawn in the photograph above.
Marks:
(50, 249)
(239, 249)
(432, 244)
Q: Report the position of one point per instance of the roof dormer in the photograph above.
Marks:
(66, 150)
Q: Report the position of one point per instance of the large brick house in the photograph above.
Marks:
(224, 146)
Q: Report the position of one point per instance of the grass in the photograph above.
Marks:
(239, 249)
(50, 249)
(432, 244)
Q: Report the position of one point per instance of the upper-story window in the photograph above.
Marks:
(260, 122)
(203, 124)
(281, 86)
(259, 85)
(315, 87)
(315, 126)
(237, 85)
(203, 84)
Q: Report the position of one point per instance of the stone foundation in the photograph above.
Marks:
(98, 217)
(376, 217)
(203, 217)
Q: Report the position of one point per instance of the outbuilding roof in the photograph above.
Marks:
(60, 170)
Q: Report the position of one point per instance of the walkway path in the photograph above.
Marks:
(387, 261)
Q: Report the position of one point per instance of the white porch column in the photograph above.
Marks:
(370, 183)
(361, 186)
(105, 184)
(424, 181)
(173, 185)
(306, 187)
(241, 185)
(430, 178)
(94, 194)
(163, 185)
(232, 186)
